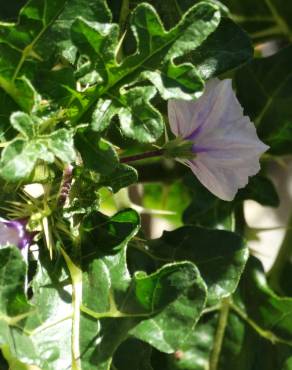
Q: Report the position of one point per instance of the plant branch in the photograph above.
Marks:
(112, 313)
(76, 277)
(268, 32)
(262, 332)
(178, 8)
(138, 157)
(280, 21)
(239, 227)
(219, 335)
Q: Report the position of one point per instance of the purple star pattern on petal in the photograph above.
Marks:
(15, 233)
(225, 143)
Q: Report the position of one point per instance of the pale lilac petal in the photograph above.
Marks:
(225, 143)
(187, 118)
(223, 180)
(231, 149)
(14, 233)
(217, 112)
(179, 116)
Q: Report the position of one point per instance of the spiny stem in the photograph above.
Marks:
(219, 335)
(137, 157)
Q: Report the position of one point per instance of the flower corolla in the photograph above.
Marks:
(14, 233)
(224, 143)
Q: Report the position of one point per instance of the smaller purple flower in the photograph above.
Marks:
(15, 233)
(224, 148)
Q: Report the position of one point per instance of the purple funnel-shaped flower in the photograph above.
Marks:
(15, 233)
(226, 147)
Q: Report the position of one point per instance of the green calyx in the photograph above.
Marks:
(179, 148)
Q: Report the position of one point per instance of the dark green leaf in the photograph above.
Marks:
(263, 19)
(140, 361)
(207, 210)
(226, 48)
(57, 39)
(261, 190)
(219, 255)
(258, 322)
(138, 118)
(14, 307)
(158, 301)
(97, 154)
(122, 177)
(261, 304)
(171, 12)
(269, 106)
(153, 59)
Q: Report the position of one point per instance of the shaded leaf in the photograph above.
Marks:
(207, 210)
(219, 255)
(257, 17)
(140, 361)
(57, 39)
(226, 48)
(161, 298)
(123, 176)
(270, 107)
(97, 154)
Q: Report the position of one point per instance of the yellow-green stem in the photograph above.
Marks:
(219, 335)
(76, 277)
(261, 331)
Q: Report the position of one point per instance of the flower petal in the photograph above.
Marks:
(223, 181)
(225, 141)
(187, 118)
(14, 233)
